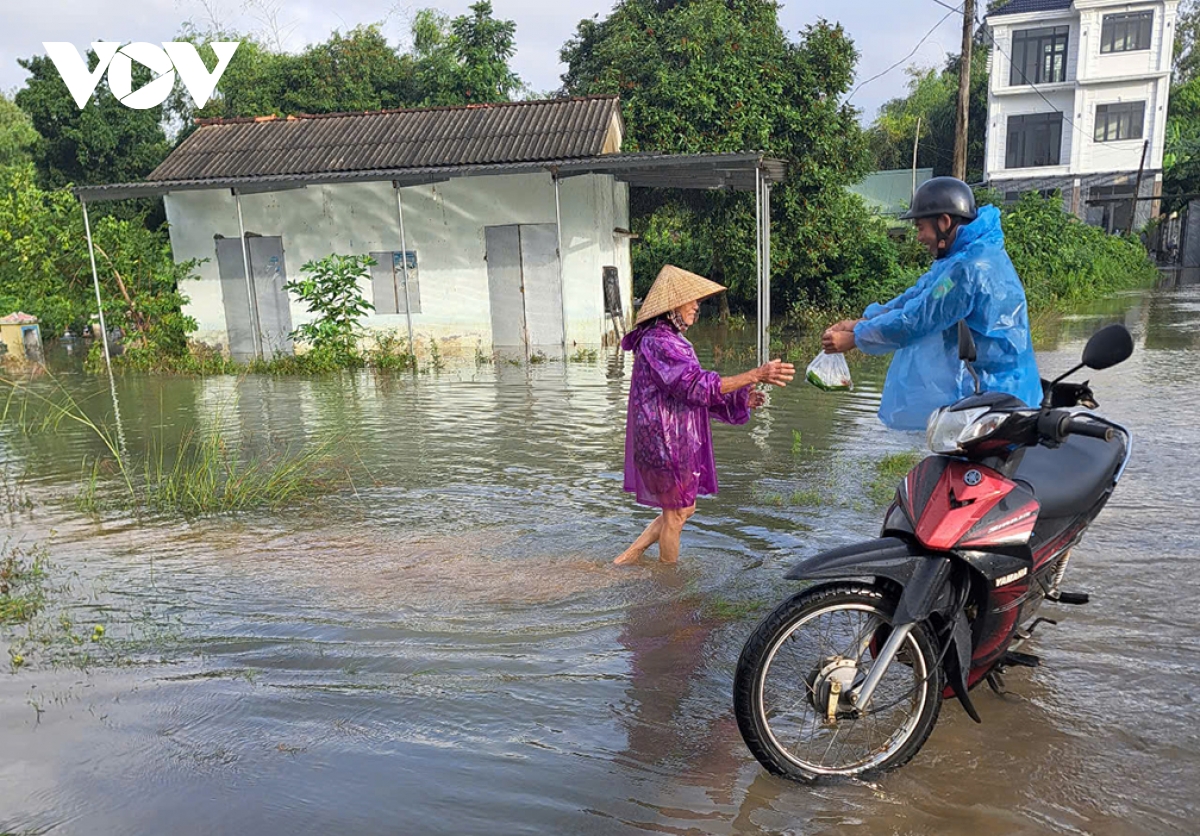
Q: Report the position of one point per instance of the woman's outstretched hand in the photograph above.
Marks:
(776, 373)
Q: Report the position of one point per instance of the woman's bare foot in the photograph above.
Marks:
(628, 557)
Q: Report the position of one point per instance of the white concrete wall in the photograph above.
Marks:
(444, 224)
(1093, 79)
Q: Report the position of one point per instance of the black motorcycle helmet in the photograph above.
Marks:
(943, 196)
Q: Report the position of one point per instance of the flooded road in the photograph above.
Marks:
(443, 647)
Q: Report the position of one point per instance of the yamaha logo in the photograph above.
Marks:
(973, 478)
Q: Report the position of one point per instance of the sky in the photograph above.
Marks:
(885, 31)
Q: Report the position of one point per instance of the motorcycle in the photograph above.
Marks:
(847, 677)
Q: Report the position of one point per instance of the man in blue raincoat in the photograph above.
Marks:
(972, 278)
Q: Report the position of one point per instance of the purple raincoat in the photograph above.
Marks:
(668, 440)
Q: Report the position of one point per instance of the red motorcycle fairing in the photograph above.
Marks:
(953, 503)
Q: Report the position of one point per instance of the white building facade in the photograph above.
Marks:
(1077, 103)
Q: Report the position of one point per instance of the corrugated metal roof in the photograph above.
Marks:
(1020, 7)
(514, 132)
(655, 170)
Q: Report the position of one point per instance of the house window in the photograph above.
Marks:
(387, 283)
(1034, 140)
(1119, 121)
(1039, 56)
(1126, 32)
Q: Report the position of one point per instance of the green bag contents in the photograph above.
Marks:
(829, 372)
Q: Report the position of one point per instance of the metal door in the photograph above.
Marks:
(543, 291)
(505, 288)
(232, 271)
(274, 308)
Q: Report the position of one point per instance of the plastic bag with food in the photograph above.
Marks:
(829, 372)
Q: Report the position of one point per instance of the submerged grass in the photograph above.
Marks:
(22, 583)
(888, 472)
(204, 473)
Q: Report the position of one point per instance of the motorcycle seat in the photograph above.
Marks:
(1069, 479)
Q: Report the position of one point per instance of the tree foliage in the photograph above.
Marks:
(720, 75)
(105, 142)
(18, 137)
(933, 99)
(45, 268)
(1181, 155)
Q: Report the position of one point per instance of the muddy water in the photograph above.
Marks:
(444, 648)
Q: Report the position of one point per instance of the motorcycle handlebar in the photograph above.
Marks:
(1056, 424)
(1078, 426)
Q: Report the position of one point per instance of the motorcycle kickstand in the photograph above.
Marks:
(996, 681)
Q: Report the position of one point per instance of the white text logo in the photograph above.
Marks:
(176, 57)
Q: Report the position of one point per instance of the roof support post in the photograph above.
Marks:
(112, 383)
(758, 263)
(412, 348)
(87, 228)
(251, 296)
(562, 284)
(766, 291)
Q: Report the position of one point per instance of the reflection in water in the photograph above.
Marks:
(444, 649)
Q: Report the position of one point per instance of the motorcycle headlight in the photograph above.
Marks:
(948, 432)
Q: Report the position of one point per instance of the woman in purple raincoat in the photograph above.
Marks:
(668, 440)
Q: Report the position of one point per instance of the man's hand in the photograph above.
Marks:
(844, 325)
(776, 373)
(757, 399)
(837, 342)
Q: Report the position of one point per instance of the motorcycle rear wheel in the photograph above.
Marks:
(784, 688)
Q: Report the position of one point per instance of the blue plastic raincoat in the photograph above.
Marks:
(976, 282)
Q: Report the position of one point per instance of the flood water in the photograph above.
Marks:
(444, 648)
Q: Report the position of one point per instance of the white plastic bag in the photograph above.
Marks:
(829, 372)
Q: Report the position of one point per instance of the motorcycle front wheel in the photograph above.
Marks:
(795, 674)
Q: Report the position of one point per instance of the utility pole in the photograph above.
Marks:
(964, 91)
(916, 140)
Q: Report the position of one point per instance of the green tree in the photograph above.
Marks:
(933, 99)
(45, 268)
(17, 134)
(465, 60)
(104, 142)
(355, 71)
(720, 75)
(1181, 156)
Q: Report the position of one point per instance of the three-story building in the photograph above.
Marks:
(1077, 102)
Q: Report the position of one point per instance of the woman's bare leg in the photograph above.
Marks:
(668, 540)
(647, 539)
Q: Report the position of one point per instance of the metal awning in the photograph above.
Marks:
(736, 172)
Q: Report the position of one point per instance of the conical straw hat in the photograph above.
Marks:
(672, 288)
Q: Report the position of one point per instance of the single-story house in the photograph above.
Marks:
(494, 227)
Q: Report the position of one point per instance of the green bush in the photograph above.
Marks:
(331, 288)
(1062, 260)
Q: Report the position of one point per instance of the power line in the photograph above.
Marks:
(906, 57)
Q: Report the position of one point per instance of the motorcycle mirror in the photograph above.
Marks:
(1108, 347)
(966, 343)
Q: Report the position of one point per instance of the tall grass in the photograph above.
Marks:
(205, 473)
(208, 475)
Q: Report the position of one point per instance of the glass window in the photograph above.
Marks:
(1126, 32)
(1034, 140)
(1039, 56)
(1119, 121)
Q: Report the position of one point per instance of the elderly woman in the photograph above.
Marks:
(668, 440)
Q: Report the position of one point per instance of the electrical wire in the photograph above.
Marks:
(920, 43)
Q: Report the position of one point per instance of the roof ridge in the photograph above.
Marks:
(241, 120)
